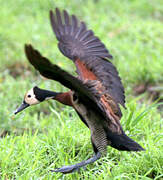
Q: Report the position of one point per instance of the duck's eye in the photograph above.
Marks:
(29, 96)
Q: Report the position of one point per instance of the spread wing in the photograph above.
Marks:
(54, 72)
(90, 91)
(75, 41)
(89, 55)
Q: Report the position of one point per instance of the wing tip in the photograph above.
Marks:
(27, 47)
(50, 13)
(65, 24)
(65, 12)
(57, 10)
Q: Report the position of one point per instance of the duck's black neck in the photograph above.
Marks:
(64, 98)
(42, 94)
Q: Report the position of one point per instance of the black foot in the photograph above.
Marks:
(66, 169)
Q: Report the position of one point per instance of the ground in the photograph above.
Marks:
(49, 135)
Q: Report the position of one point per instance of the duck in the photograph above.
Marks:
(96, 93)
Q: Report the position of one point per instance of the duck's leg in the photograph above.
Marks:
(72, 168)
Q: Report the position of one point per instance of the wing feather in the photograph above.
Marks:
(54, 72)
(72, 35)
(76, 42)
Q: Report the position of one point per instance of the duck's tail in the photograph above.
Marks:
(123, 142)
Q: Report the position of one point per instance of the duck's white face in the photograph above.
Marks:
(30, 98)
(35, 96)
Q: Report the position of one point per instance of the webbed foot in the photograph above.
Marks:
(73, 168)
(67, 169)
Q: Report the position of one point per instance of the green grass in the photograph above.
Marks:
(50, 135)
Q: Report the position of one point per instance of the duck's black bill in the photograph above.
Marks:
(23, 106)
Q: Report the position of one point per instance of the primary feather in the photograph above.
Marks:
(74, 38)
(76, 42)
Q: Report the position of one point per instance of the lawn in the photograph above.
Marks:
(49, 135)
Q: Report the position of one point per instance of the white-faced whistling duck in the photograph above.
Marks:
(95, 93)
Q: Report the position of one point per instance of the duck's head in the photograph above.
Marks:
(35, 96)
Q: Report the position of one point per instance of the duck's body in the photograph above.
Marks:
(97, 91)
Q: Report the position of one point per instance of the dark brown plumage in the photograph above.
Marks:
(95, 94)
